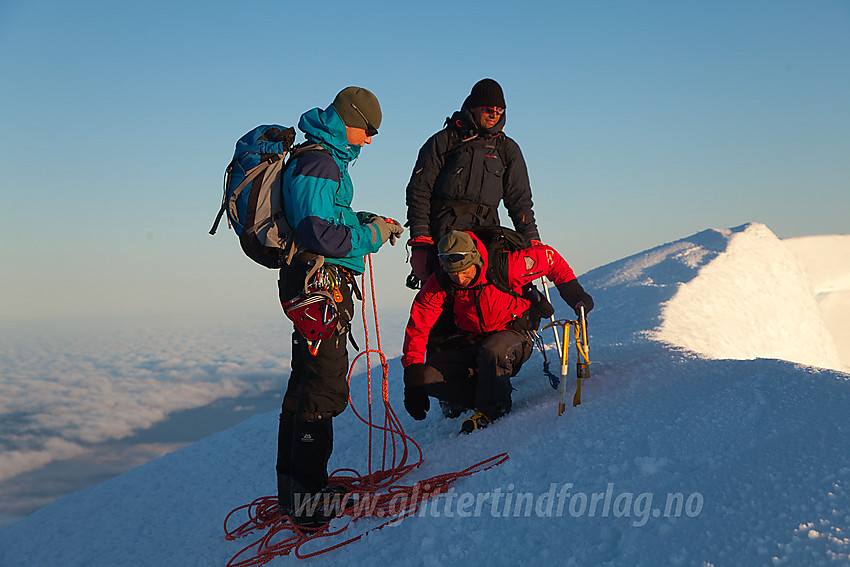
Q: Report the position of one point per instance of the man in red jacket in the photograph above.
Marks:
(494, 325)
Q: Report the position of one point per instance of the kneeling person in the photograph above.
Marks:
(494, 326)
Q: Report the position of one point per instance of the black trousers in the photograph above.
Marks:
(477, 375)
(317, 391)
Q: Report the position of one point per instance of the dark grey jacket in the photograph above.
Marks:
(461, 176)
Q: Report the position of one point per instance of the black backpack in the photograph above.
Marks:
(498, 239)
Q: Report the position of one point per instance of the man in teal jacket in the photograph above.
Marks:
(317, 194)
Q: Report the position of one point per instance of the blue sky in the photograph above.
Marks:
(641, 122)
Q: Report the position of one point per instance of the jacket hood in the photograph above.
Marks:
(327, 128)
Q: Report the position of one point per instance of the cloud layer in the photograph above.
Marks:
(67, 388)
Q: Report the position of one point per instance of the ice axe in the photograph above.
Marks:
(554, 381)
(583, 353)
(583, 362)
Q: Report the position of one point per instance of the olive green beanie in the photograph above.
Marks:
(457, 242)
(350, 100)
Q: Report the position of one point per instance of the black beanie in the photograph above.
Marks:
(486, 92)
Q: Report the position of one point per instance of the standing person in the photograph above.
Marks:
(461, 175)
(317, 195)
(494, 326)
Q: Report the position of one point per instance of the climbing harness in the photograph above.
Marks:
(314, 311)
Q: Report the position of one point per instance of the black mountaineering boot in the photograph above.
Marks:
(450, 410)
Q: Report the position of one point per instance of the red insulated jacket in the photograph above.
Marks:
(481, 307)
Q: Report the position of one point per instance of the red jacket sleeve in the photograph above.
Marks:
(424, 312)
(535, 262)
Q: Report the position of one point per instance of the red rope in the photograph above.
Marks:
(377, 494)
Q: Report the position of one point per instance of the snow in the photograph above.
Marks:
(754, 299)
(712, 432)
(827, 260)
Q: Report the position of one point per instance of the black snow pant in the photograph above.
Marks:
(317, 391)
(477, 374)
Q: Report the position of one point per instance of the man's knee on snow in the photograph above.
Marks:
(503, 353)
(499, 359)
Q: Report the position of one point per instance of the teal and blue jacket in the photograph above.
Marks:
(317, 194)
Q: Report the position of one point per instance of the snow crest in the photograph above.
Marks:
(752, 300)
(827, 258)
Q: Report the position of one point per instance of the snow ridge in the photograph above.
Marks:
(753, 300)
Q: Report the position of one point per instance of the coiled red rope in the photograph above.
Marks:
(376, 494)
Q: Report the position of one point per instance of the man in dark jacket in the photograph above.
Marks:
(317, 194)
(494, 326)
(462, 174)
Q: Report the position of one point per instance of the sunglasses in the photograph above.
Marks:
(453, 257)
(493, 110)
(370, 130)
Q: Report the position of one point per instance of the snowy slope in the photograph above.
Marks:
(754, 449)
(827, 259)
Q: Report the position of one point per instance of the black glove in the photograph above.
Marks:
(574, 295)
(540, 306)
(416, 401)
(414, 375)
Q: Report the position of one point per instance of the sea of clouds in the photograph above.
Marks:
(68, 387)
